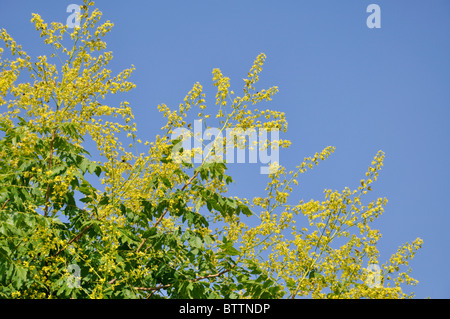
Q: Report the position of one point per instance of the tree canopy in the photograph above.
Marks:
(123, 224)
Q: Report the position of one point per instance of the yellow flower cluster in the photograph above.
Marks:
(223, 84)
(307, 260)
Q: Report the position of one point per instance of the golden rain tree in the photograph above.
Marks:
(129, 225)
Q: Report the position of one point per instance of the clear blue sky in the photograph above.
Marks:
(341, 84)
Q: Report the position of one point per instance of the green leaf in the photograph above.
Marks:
(313, 274)
(245, 210)
(20, 276)
(104, 200)
(58, 170)
(166, 182)
(84, 165)
(230, 250)
(290, 283)
(231, 203)
(86, 200)
(198, 205)
(196, 242)
(208, 240)
(150, 233)
(98, 170)
(92, 167)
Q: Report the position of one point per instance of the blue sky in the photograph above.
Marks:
(341, 84)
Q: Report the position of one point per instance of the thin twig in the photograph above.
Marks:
(3, 206)
(77, 237)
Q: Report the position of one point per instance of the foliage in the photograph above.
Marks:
(145, 225)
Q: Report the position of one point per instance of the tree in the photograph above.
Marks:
(150, 225)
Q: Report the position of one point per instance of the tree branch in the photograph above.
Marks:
(212, 276)
(160, 286)
(50, 160)
(166, 210)
(153, 288)
(77, 237)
